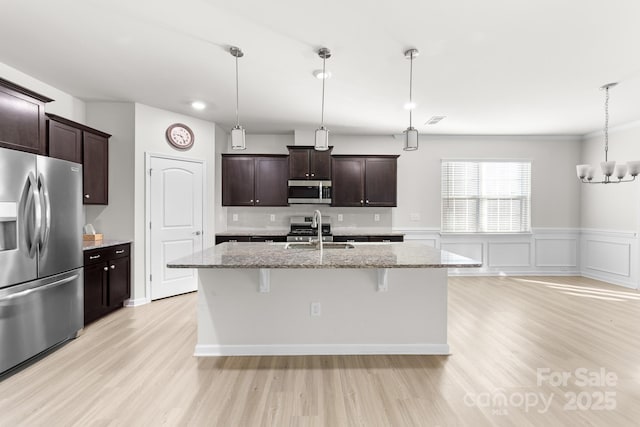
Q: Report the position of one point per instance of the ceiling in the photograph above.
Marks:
(492, 67)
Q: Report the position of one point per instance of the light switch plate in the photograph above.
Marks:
(272, 218)
(234, 217)
(415, 216)
(340, 218)
(376, 217)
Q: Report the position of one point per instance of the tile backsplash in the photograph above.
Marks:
(277, 218)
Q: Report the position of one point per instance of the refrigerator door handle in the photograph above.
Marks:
(45, 232)
(33, 198)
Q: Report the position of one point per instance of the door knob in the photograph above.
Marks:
(197, 233)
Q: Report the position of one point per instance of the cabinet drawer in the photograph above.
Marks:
(386, 238)
(103, 254)
(350, 238)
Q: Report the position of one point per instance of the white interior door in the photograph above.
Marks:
(176, 211)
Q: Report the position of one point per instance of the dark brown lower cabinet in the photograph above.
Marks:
(107, 280)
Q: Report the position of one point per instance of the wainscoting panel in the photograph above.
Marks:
(507, 254)
(607, 255)
(556, 252)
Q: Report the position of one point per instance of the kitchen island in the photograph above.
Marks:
(267, 299)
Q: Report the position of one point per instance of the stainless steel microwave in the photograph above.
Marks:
(302, 191)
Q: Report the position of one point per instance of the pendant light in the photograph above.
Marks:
(322, 133)
(586, 172)
(237, 133)
(411, 133)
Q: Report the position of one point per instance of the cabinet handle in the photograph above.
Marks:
(94, 256)
(306, 174)
(121, 251)
(268, 241)
(351, 241)
(232, 241)
(251, 201)
(106, 269)
(257, 201)
(313, 174)
(113, 267)
(386, 241)
(361, 201)
(86, 196)
(367, 202)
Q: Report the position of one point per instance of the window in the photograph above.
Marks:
(486, 196)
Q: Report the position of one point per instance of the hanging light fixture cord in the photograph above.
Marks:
(237, 96)
(606, 124)
(324, 77)
(410, 92)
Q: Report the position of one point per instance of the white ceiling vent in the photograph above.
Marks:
(434, 120)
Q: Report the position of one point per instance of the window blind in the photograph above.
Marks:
(486, 196)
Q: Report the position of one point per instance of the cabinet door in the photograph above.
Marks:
(271, 181)
(237, 180)
(95, 296)
(298, 163)
(65, 142)
(320, 164)
(348, 181)
(118, 281)
(95, 160)
(380, 181)
(22, 120)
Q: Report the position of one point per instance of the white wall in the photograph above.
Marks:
(610, 214)
(63, 105)
(115, 220)
(150, 127)
(614, 206)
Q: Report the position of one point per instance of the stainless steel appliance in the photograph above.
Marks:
(301, 229)
(303, 191)
(41, 276)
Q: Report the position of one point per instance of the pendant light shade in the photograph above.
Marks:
(322, 139)
(237, 133)
(411, 133)
(237, 138)
(410, 139)
(322, 133)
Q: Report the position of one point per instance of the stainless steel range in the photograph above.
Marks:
(302, 231)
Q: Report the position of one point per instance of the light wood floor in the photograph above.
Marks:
(135, 367)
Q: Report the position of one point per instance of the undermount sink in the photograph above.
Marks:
(315, 246)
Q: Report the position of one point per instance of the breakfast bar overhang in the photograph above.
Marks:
(271, 299)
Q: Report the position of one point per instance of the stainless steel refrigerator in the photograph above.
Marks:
(41, 276)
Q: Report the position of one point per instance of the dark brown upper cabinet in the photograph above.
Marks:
(365, 181)
(69, 140)
(22, 120)
(254, 180)
(307, 163)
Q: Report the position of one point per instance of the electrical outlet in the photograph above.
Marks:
(340, 218)
(415, 216)
(272, 218)
(234, 217)
(316, 309)
(376, 217)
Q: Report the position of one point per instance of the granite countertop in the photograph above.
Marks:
(88, 245)
(364, 255)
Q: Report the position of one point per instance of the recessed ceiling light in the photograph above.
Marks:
(318, 74)
(409, 105)
(434, 120)
(198, 105)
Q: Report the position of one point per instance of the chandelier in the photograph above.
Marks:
(609, 167)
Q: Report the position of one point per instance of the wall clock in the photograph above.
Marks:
(180, 136)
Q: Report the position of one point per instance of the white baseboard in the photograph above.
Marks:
(609, 279)
(136, 302)
(515, 273)
(319, 349)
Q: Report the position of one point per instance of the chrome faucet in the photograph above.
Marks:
(316, 222)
